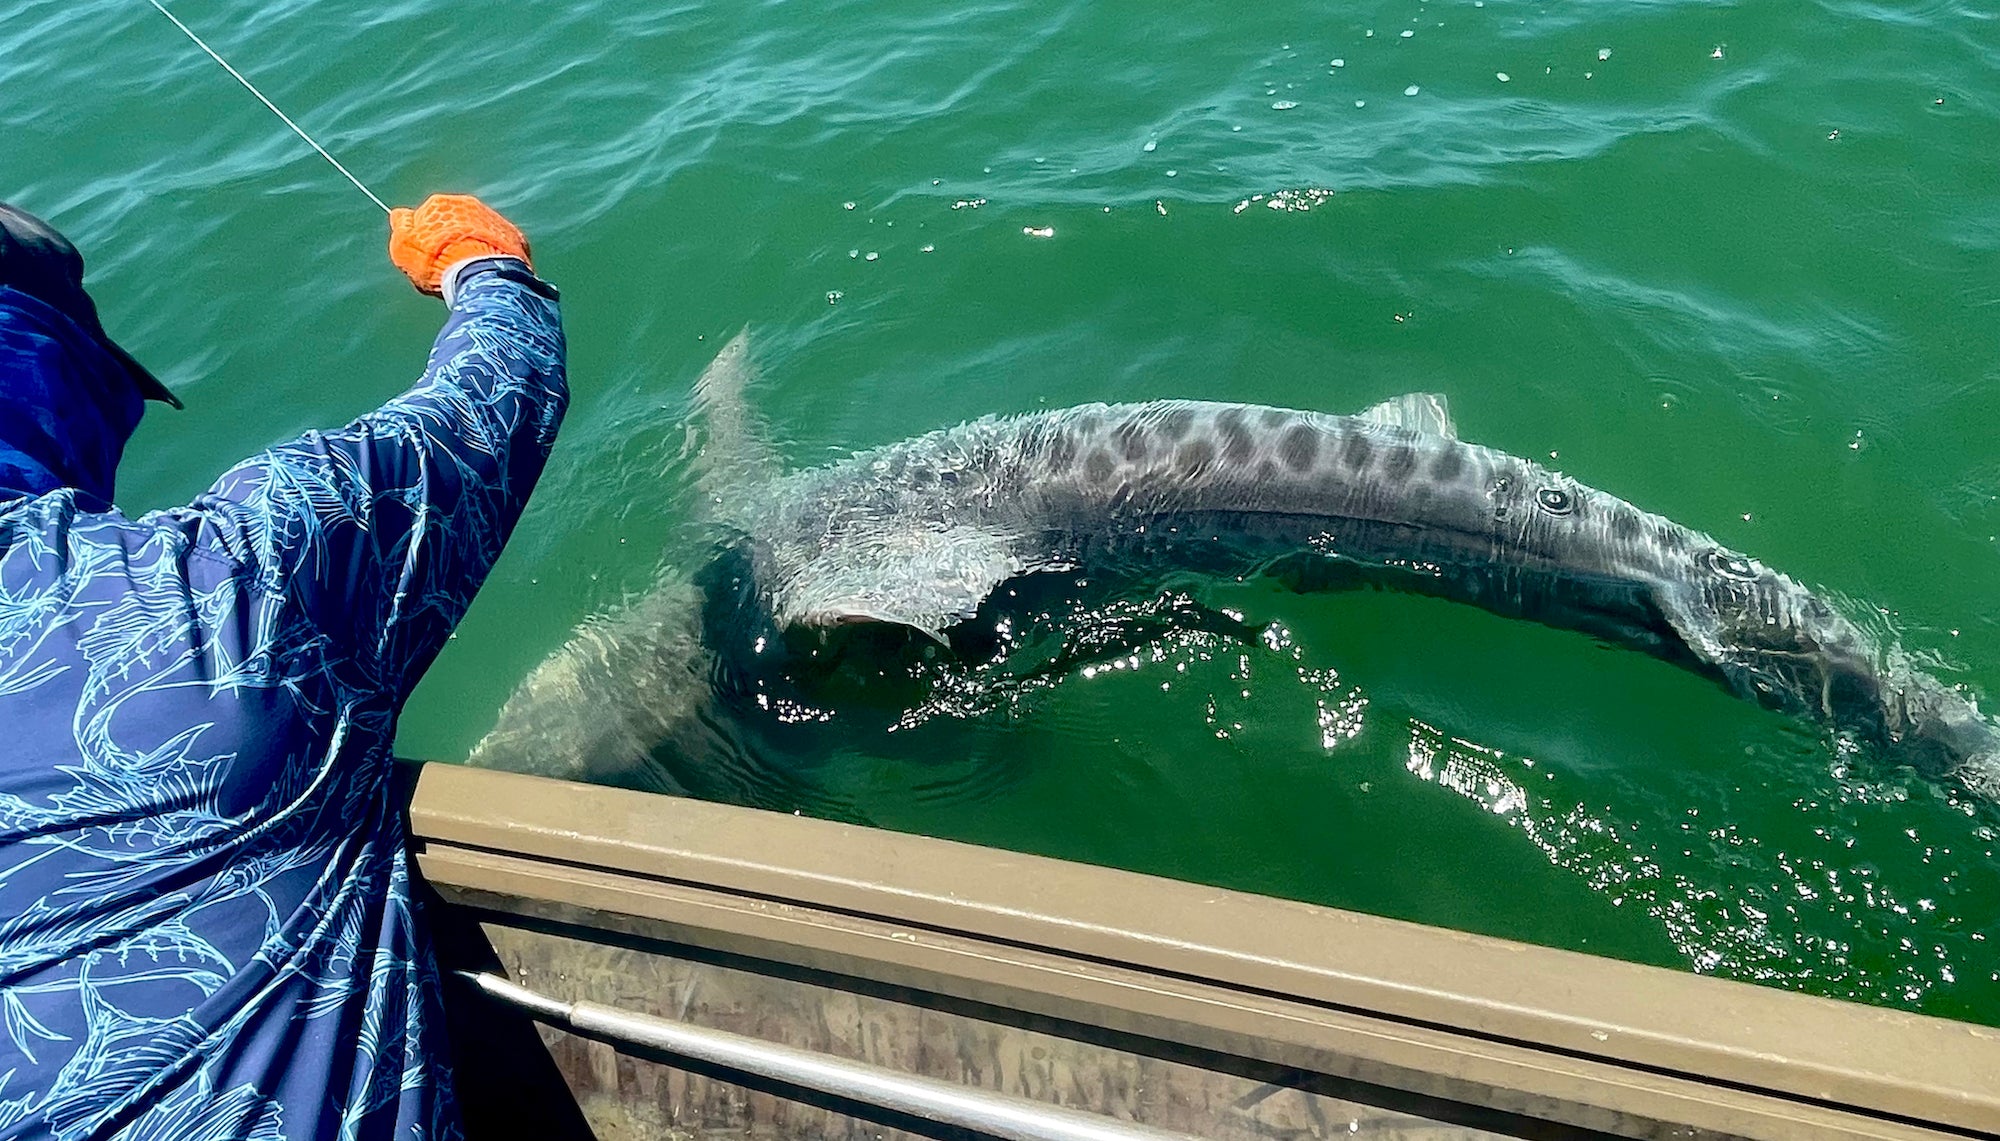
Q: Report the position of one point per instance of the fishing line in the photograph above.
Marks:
(252, 88)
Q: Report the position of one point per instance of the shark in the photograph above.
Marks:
(916, 537)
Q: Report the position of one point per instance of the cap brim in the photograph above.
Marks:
(149, 385)
(37, 260)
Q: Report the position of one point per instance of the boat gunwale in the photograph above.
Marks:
(1526, 1029)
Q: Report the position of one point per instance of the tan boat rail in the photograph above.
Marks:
(1552, 1041)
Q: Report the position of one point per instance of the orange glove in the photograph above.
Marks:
(446, 230)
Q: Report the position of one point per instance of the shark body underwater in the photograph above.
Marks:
(917, 536)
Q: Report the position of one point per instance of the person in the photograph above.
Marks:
(207, 926)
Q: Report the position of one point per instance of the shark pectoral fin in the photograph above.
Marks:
(852, 615)
(1423, 411)
(927, 579)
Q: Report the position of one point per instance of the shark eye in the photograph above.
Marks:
(1730, 566)
(1554, 500)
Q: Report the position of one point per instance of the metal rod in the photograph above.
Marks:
(980, 1110)
(252, 88)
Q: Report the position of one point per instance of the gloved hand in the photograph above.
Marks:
(445, 230)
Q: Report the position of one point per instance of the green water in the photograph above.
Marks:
(1737, 263)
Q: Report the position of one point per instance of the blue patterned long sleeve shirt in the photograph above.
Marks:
(206, 921)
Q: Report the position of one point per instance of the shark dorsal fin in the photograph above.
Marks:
(1423, 411)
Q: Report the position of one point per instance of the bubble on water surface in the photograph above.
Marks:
(1298, 200)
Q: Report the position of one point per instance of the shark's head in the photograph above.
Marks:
(1944, 734)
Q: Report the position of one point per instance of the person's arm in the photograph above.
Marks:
(381, 532)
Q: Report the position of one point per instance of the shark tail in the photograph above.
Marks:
(734, 450)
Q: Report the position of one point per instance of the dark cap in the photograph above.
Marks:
(41, 263)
